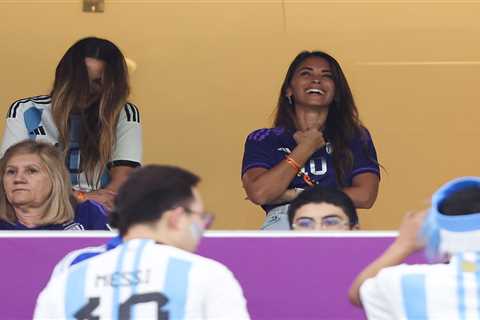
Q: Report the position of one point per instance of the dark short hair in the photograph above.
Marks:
(319, 194)
(461, 202)
(149, 192)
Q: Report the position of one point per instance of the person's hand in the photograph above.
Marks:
(313, 138)
(408, 235)
(103, 196)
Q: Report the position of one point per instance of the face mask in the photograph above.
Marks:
(196, 231)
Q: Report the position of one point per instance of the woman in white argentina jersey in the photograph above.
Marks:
(87, 116)
(149, 272)
(388, 289)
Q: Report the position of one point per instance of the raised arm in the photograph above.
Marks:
(404, 245)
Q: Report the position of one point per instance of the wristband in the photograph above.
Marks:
(294, 164)
(80, 195)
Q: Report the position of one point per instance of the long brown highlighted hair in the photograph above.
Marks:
(72, 92)
(342, 123)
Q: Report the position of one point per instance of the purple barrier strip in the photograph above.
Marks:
(282, 278)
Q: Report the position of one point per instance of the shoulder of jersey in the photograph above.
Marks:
(265, 133)
(37, 101)
(131, 112)
(361, 136)
(101, 253)
(80, 255)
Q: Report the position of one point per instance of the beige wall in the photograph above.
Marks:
(209, 73)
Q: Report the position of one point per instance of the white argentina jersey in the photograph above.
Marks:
(31, 118)
(141, 279)
(440, 291)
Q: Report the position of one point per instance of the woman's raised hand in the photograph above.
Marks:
(312, 138)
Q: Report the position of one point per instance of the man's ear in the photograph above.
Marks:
(174, 218)
(355, 227)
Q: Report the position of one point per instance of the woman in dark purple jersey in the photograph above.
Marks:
(317, 138)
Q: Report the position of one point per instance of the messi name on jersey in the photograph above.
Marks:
(123, 279)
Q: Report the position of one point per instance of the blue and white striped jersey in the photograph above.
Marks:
(439, 291)
(31, 118)
(141, 279)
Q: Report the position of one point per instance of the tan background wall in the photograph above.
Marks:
(209, 73)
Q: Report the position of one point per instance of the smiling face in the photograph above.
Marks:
(312, 84)
(26, 181)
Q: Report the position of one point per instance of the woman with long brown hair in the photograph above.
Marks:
(87, 116)
(317, 138)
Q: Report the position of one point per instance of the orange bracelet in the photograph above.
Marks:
(80, 195)
(294, 164)
(308, 180)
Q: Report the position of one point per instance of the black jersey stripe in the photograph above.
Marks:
(14, 114)
(41, 98)
(12, 111)
(9, 114)
(129, 116)
(135, 112)
(125, 163)
(40, 131)
(41, 102)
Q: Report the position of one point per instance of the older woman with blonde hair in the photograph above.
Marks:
(36, 194)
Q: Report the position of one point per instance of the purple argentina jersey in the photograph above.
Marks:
(265, 148)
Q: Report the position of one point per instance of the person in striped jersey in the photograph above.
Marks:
(450, 231)
(88, 117)
(149, 271)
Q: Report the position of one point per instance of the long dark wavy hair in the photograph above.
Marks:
(342, 123)
(72, 88)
